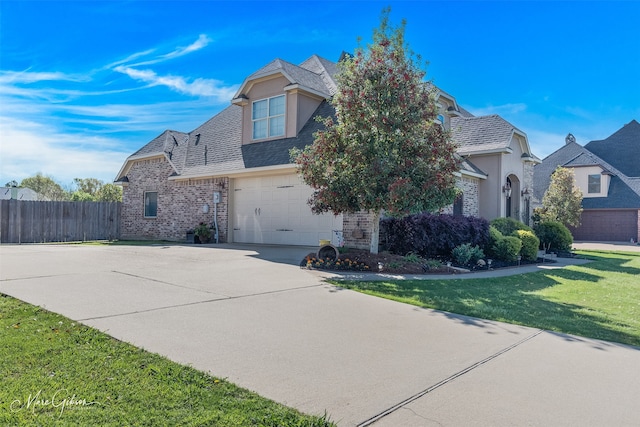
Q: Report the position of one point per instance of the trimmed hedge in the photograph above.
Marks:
(554, 236)
(508, 226)
(432, 236)
(530, 244)
(507, 248)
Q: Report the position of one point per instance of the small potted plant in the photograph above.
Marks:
(203, 232)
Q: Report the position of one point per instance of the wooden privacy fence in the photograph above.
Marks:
(40, 221)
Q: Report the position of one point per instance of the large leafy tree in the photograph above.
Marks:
(384, 150)
(109, 193)
(94, 190)
(45, 186)
(562, 201)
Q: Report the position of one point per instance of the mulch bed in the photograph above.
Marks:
(397, 264)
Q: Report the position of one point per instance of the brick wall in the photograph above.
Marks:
(179, 203)
(356, 229)
(470, 198)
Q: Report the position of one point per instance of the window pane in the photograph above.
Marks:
(594, 184)
(259, 110)
(150, 204)
(276, 126)
(276, 106)
(260, 129)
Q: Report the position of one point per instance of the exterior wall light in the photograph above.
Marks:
(506, 189)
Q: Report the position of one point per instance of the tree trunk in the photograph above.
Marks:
(375, 231)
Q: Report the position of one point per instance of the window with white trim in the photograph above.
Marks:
(150, 204)
(267, 116)
(594, 184)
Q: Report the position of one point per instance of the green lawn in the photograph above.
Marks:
(600, 299)
(57, 372)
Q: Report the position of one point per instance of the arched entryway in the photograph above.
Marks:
(511, 192)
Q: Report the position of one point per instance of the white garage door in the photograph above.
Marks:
(274, 210)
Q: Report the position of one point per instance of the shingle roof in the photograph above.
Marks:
(622, 149)
(315, 73)
(161, 143)
(582, 159)
(620, 196)
(542, 172)
(217, 141)
(473, 134)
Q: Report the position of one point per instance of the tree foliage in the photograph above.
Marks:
(109, 193)
(384, 149)
(87, 189)
(92, 189)
(46, 187)
(562, 201)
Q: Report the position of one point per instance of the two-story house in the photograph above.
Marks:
(608, 174)
(235, 169)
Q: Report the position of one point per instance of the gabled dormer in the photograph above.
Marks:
(280, 98)
(592, 177)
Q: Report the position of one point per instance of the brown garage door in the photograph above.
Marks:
(608, 225)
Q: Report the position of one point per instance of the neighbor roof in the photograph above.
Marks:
(622, 149)
(624, 192)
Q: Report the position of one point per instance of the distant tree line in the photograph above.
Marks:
(81, 190)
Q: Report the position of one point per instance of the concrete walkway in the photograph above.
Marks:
(250, 314)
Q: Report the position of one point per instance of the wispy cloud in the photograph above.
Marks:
(202, 42)
(185, 85)
(25, 77)
(81, 125)
(197, 87)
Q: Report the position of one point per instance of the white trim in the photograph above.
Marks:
(265, 170)
(505, 150)
(298, 87)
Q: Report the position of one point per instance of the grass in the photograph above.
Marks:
(599, 300)
(58, 372)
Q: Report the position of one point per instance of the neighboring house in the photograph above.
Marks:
(18, 193)
(608, 174)
(240, 159)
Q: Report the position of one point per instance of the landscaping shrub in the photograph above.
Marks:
(467, 254)
(494, 236)
(554, 236)
(530, 244)
(507, 248)
(432, 236)
(507, 226)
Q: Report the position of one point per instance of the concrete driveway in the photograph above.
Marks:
(249, 314)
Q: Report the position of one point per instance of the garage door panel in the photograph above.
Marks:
(274, 210)
(607, 225)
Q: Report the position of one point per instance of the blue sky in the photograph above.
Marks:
(84, 84)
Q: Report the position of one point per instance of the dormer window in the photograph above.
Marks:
(267, 116)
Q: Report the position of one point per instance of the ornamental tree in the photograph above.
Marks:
(384, 149)
(562, 201)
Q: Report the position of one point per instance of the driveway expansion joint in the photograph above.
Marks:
(223, 298)
(458, 374)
